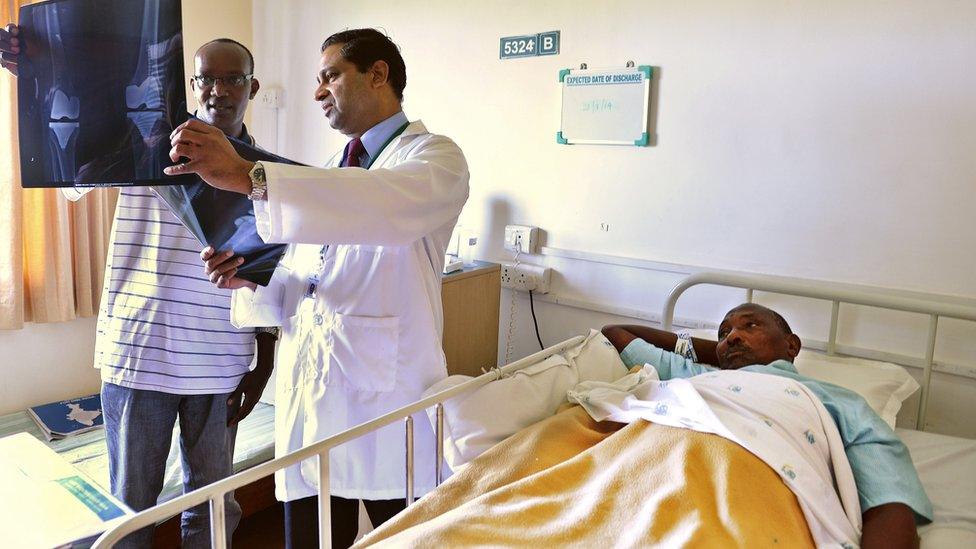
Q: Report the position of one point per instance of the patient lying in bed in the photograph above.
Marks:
(727, 458)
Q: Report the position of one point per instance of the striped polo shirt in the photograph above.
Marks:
(162, 325)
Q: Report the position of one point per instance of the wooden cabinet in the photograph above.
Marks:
(471, 299)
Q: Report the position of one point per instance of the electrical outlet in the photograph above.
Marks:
(526, 277)
(508, 279)
(270, 97)
(526, 235)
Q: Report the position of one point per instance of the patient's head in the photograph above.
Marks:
(753, 334)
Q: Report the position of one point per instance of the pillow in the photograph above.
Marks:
(476, 421)
(884, 385)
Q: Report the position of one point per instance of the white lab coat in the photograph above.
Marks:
(370, 341)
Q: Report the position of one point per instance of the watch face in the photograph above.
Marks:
(258, 173)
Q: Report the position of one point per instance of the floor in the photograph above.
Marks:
(263, 530)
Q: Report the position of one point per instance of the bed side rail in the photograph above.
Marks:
(214, 493)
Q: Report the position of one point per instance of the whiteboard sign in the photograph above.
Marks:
(605, 107)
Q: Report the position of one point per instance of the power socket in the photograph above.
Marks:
(526, 277)
(526, 235)
(270, 97)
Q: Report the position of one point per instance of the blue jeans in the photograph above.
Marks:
(139, 429)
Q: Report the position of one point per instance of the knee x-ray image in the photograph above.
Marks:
(100, 88)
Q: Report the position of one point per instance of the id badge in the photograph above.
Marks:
(313, 284)
(313, 279)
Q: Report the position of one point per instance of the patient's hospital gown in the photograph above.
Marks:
(882, 466)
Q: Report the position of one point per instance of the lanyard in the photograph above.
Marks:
(313, 279)
(386, 144)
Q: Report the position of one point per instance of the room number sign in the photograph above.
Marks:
(529, 45)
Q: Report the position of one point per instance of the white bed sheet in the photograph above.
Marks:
(947, 467)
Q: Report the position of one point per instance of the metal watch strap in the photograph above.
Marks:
(259, 182)
(273, 330)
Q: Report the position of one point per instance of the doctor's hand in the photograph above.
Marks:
(221, 267)
(204, 150)
(10, 47)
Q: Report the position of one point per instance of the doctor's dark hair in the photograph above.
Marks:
(363, 47)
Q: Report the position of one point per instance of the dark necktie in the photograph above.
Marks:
(354, 150)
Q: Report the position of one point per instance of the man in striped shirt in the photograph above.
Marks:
(165, 345)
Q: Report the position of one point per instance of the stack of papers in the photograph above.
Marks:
(68, 417)
(46, 502)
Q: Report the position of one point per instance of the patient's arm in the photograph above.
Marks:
(891, 525)
(620, 335)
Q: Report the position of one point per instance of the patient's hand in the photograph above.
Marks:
(10, 47)
(891, 525)
(221, 268)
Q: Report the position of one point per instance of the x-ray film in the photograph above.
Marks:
(225, 220)
(100, 88)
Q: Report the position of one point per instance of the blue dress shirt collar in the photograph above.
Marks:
(377, 136)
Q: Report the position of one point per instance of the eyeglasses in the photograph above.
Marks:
(236, 80)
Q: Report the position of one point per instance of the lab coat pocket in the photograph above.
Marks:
(364, 352)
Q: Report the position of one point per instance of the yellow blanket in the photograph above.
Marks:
(570, 481)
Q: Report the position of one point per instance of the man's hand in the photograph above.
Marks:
(10, 47)
(205, 151)
(249, 390)
(221, 268)
(891, 526)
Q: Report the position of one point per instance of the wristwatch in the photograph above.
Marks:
(273, 330)
(259, 182)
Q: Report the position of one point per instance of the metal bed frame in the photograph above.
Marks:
(215, 492)
(935, 307)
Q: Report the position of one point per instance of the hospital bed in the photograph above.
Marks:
(946, 465)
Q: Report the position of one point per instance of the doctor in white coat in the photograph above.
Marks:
(357, 294)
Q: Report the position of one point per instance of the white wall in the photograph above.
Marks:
(822, 140)
(829, 141)
(46, 362)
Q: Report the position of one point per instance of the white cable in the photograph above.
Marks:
(511, 312)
